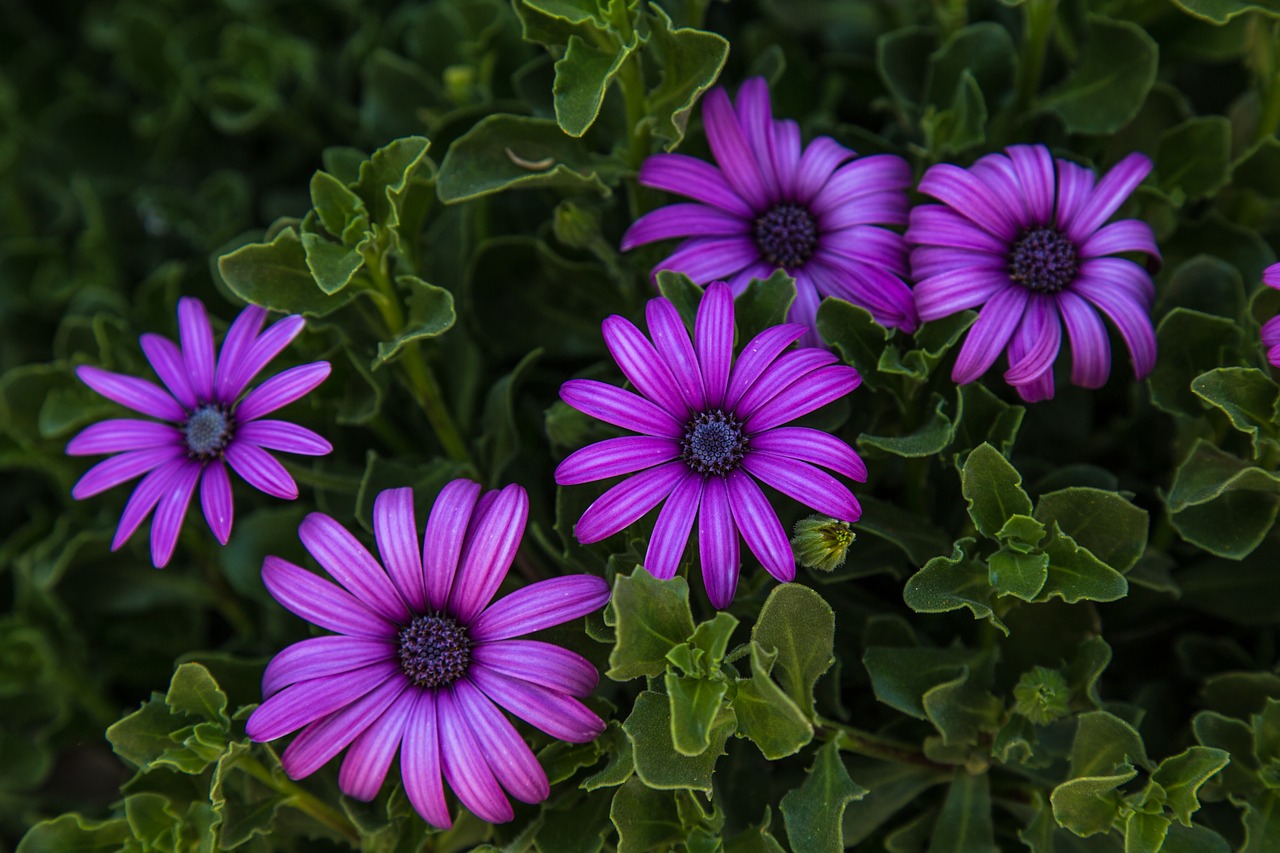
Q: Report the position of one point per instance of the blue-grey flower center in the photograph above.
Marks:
(435, 650)
(713, 443)
(786, 235)
(207, 431)
(1044, 260)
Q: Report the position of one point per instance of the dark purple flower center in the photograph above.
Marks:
(1044, 260)
(786, 235)
(208, 431)
(435, 650)
(713, 443)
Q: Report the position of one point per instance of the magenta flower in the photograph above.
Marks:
(815, 212)
(709, 428)
(208, 422)
(1271, 329)
(422, 660)
(1022, 235)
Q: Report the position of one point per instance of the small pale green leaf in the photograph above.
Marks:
(949, 583)
(341, 211)
(275, 276)
(1144, 833)
(695, 703)
(1103, 743)
(1110, 83)
(74, 833)
(1022, 533)
(645, 819)
(960, 126)
(1091, 804)
(1014, 573)
(651, 617)
(682, 292)
(388, 175)
(657, 762)
(192, 690)
(964, 825)
(1112, 528)
(430, 312)
(926, 439)
(993, 489)
(813, 812)
(767, 715)
(1077, 575)
(1182, 775)
(621, 764)
(582, 76)
(800, 626)
(332, 265)
(1194, 839)
(143, 736)
(712, 638)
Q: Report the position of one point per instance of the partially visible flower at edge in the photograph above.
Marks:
(1023, 236)
(208, 422)
(709, 428)
(815, 212)
(422, 661)
(1271, 328)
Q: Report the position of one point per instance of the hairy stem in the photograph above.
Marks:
(300, 798)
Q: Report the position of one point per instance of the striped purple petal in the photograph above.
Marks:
(1121, 275)
(997, 174)
(348, 562)
(760, 527)
(1075, 184)
(807, 394)
(322, 603)
(640, 363)
(281, 390)
(1270, 332)
(446, 532)
(122, 468)
(937, 225)
(540, 605)
(881, 292)
(260, 353)
(196, 336)
(718, 543)
(1034, 167)
(970, 197)
(804, 311)
(1034, 387)
(819, 160)
(812, 445)
(420, 762)
(123, 434)
(988, 336)
(755, 117)
(1090, 349)
(946, 293)
(729, 147)
(1040, 335)
(167, 361)
(555, 713)
(713, 338)
(869, 244)
(260, 470)
(307, 701)
(215, 500)
(487, 553)
(1127, 235)
(1108, 195)
(365, 767)
(879, 208)
(145, 497)
(464, 764)
(875, 174)
(620, 408)
(133, 393)
(781, 374)
(396, 531)
(927, 261)
(1271, 276)
(539, 663)
(235, 346)
(627, 502)
(171, 510)
(325, 738)
(614, 456)
(1129, 316)
(672, 528)
(692, 178)
(683, 220)
(284, 436)
(671, 340)
(760, 352)
(786, 154)
(508, 756)
(318, 657)
(811, 486)
(707, 259)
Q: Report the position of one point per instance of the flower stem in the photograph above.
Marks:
(1037, 26)
(300, 798)
(859, 742)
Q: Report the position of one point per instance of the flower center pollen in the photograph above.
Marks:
(435, 650)
(713, 443)
(786, 235)
(1044, 260)
(207, 431)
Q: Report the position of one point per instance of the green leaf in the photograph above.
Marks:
(551, 22)
(695, 704)
(1262, 823)
(690, 61)
(766, 715)
(1221, 11)
(949, 583)
(1191, 343)
(1194, 158)
(1248, 397)
(1144, 833)
(431, 314)
(621, 765)
(193, 691)
(1090, 805)
(755, 839)
(332, 265)
(858, 338)
(342, 213)
(1077, 575)
(1235, 737)
(962, 125)
(898, 54)
(961, 710)
(582, 76)
(581, 827)
(993, 489)
(651, 617)
(764, 304)
(800, 626)
(1112, 528)
(1182, 775)
(712, 638)
(928, 439)
(813, 812)
(276, 276)
(984, 51)
(1222, 504)
(964, 824)
(646, 819)
(142, 737)
(917, 538)
(1194, 839)
(507, 152)
(658, 764)
(1104, 743)
(1110, 83)
(390, 177)
(1021, 533)
(981, 416)
(74, 833)
(1014, 573)
(682, 292)
(1242, 591)
(900, 677)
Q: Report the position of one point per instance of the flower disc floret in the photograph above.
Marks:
(208, 431)
(434, 650)
(713, 443)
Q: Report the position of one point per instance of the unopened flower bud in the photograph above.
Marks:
(1041, 695)
(575, 226)
(821, 542)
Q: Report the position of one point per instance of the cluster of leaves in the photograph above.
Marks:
(446, 184)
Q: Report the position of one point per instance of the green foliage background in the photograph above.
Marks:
(1057, 630)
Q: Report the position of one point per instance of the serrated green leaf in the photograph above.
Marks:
(1222, 11)
(1077, 575)
(961, 710)
(1112, 528)
(74, 833)
(927, 439)
(1247, 396)
(1111, 81)
(964, 825)
(1144, 833)
(332, 265)
(389, 175)
(1235, 737)
(1182, 776)
(900, 677)
(275, 276)
(1194, 839)
(800, 626)
(1022, 533)
(431, 314)
(651, 617)
(1192, 342)
(192, 690)
(1090, 805)
(767, 715)
(1194, 158)
(341, 211)
(1018, 574)
(949, 583)
(712, 638)
(981, 416)
(657, 762)
(1221, 503)
(858, 338)
(582, 76)
(695, 703)
(645, 819)
(690, 61)
(1103, 743)
(993, 489)
(813, 812)
(621, 764)
(143, 736)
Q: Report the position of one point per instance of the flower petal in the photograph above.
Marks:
(171, 511)
(613, 456)
(1022, 346)
(490, 547)
(122, 468)
(642, 366)
(997, 173)
(938, 225)
(325, 738)
(786, 154)
(215, 500)
(1270, 332)
(307, 701)
(281, 390)
(322, 603)
(947, 293)
(927, 261)
(620, 408)
(811, 486)
(755, 117)
(865, 175)
(446, 531)
(718, 544)
(539, 663)
(1271, 276)
(869, 244)
(1121, 275)
(1034, 167)
(813, 445)
(683, 220)
(756, 356)
(196, 336)
(729, 147)
(1108, 195)
(506, 753)
(1040, 334)
(671, 340)
(692, 178)
(167, 361)
(760, 528)
(348, 562)
(989, 334)
(969, 196)
(284, 436)
(396, 531)
(133, 393)
(808, 393)
(1090, 349)
(1130, 317)
(145, 496)
(671, 530)
(819, 160)
(319, 657)
(781, 374)
(123, 434)
(882, 208)
(707, 259)
(1075, 184)
(235, 347)
(371, 753)
(464, 764)
(713, 338)
(540, 605)
(881, 292)
(420, 762)
(260, 470)
(1127, 235)
(558, 715)
(266, 347)
(628, 501)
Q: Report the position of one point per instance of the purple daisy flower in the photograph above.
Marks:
(421, 660)
(772, 204)
(1271, 329)
(709, 428)
(1022, 235)
(208, 422)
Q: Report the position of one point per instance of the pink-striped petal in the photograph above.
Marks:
(718, 546)
(284, 436)
(349, 563)
(1090, 349)
(1270, 332)
(1075, 184)
(508, 756)
(807, 394)
(620, 408)
(235, 347)
(671, 340)
(938, 225)
(539, 663)
(260, 470)
(779, 375)
(880, 208)
(947, 293)
(878, 173)
(869, 244)
(760, 352)
(395, 529)
(927, 261)
(1040, 336)
(446, 531)
(755, 117)
(1130, 317)
(812, 445)
(707, 259)
(818, 161)
(420, 762)
(322, 603)
(145, 497)
(671, 530)
(1121, 275)
(132, 393)
(811, 486)
(319, 657)
(167, 361)
(215, 500)
(267, 346)
(123, 434)
(988, 335)
(626, 502)
(1127, 235)
(555, 713)
(614, 456)
(307, 701)
(642, 366)
(122, 468)
(713, 338)
(325, 738)
(786, 154)
(997, 173)
(1108, 195)
(1271, 276)
(729, 147)
(692, 178)
(281, 390)
(196, 336)
(683, 220)
(464, 764)
(171, 511)
(760, 527)
(365, 767)
(540, 605)
(969, 197)
(490, 547)
(1034, 167)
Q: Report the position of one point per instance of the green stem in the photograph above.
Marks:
(635, 100)
(225, 598)
(1269, 118)
(300, 798)
(1037, 26)
(857, 741)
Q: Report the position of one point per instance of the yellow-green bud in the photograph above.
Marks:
(575, 225)
(821, 542)
(1041, 695)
